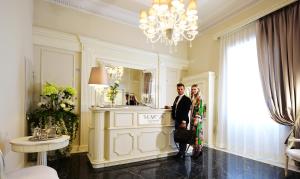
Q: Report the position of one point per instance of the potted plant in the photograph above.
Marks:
(56, 109)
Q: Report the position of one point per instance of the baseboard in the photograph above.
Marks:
(274, 163)
(79, 148)
(104, 164)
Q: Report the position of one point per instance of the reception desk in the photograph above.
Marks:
(129, 134)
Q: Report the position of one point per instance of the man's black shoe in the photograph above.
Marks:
(178, 155)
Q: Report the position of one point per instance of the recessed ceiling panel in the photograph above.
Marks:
(210, 12)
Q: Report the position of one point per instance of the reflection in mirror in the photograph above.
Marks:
(136, 87)
(147, 88)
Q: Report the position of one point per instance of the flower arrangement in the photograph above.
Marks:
(56, 108)
(112, 91)
(115, 75)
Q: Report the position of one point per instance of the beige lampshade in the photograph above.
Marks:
(98, 77)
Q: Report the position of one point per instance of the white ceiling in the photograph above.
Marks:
(210, 12)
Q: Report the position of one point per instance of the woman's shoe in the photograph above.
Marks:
(200, 153)
(195, 156)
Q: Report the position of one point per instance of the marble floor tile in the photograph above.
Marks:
(213, 164)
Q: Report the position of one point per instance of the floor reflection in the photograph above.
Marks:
(212, 164)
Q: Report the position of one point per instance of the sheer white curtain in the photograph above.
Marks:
(244, 124)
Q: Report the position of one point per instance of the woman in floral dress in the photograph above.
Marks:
(196, 120)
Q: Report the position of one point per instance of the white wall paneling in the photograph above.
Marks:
(169, 75)
(57, 60)
(206, 83)
(58, 66)
(50, 60)
(93, 51)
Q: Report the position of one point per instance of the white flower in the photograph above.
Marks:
(69, 102)
(63, 105)
(41, 103)
(67, 109)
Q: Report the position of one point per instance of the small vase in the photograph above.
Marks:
(112, 104)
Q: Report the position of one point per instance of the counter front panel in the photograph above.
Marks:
(125, 135)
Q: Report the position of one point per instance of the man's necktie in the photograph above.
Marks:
(175, 102)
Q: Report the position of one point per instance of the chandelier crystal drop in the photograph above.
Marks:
(169, 22)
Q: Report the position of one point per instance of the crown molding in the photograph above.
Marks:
(229, 13)
(253, 18)
(106, 10)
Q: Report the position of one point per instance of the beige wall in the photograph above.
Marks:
(15, 46)
(68, 20)
(204, 55)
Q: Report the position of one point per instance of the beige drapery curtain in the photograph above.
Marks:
(147, 83)
(278, 43)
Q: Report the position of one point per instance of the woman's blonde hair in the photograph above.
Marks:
(198, 93)
(195, 86)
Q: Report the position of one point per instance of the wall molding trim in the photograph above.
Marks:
(172, 62)
(119, 55)
(110, 52)
(51, 38)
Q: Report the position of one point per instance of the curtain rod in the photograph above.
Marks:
(253, 18)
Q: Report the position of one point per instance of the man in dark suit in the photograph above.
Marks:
(180, 112)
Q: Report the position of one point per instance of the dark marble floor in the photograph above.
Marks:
(212, 164)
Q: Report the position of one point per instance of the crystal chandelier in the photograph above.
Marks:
(115, 73)
(169, 22)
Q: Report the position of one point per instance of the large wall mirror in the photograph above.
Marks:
(136, 86)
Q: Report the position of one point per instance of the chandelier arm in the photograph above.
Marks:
(155, 40)
(188, 38)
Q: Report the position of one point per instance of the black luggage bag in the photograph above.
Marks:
(184, 136)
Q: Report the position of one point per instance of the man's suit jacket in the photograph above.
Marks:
(181, 112)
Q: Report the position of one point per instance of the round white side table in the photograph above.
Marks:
(23, 144)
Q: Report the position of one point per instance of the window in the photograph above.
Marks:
(244, 125)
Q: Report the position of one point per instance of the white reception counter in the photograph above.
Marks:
(129, 134)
